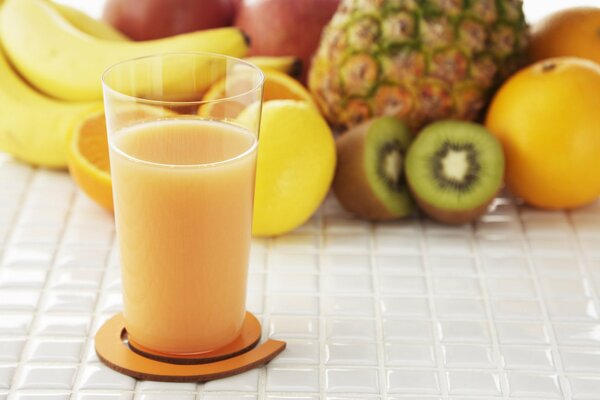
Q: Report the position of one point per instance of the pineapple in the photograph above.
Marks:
(417, 60)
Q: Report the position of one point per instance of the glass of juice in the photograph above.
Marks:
(183, 137)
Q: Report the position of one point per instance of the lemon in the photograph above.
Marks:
(295, 166)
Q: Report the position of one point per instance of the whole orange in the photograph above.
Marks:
(547, 117)
(571, 32)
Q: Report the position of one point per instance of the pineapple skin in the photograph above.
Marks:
(417, 60)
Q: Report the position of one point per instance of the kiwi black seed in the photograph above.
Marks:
(369, 180)
(454, 170)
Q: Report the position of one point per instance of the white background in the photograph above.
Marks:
(534, 9)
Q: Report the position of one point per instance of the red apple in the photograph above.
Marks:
(285, 27)
(153, 19)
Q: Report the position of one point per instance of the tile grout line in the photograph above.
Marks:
(437, 339)
(96, 313)
(547, 322)
(491, 321)
(378, 314)
(36, 314)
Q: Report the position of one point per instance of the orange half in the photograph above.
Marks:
(88, 159)
(278, 86)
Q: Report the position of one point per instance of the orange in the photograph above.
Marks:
(278, 86)
(88, 159)
(87, 152)
(571, 32)
(547, 117)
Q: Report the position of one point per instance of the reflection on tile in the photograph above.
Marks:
(100, 377)
(526, 384)
(46, 377)
(351, 354)
(414, 307)
(468, 356)
(407, 330)
(67, 325)
(398, 284)
(54, 350)
(245, 382)
(345, 380)
(464, 332)
(474, 383)
(10, 349)
(527, 358)
(298, 352)
(413, 354)
(404, 264)
(444, 265)
(294, 328)
(451, 308)
(580, 360)
(456, 286)
(6, 374)
(292, 379)
(584, 387)
(522, 333)
(417, 382)
(348, 305)
(346, 283)
(577, 334)
(351, 329)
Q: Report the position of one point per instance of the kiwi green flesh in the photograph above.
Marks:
(455, 166)
(387, 141)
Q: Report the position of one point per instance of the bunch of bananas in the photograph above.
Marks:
(61, 54)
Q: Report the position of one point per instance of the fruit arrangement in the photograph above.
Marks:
(410, 105)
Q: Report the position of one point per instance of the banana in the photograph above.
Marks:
(87, 24)
(66, 63)
(33, 127)
(289, 65)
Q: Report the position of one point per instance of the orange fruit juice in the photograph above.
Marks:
(183, 191)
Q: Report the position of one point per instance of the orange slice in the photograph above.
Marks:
(88, 160)
(87, 154)
(278, 86)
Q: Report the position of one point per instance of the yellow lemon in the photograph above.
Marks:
(295, 167)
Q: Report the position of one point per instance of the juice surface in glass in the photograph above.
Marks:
(183, 201)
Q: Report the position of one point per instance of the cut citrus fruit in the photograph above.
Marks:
(88, 159)
(295, 166)
(278, 86)
(87, 154)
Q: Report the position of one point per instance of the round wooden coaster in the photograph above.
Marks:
(114, 351)
(247, 339)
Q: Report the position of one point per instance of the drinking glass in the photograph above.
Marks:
(183, 138)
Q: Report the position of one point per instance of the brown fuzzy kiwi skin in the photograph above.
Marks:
(451, 217)
(350, 185)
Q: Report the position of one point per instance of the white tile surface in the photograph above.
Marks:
(507, 308)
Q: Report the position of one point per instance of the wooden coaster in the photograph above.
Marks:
(239, 356)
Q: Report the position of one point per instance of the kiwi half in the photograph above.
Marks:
(454, 170)
(369, 178)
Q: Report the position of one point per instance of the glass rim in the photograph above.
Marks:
(113, 146)
(107, 71)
